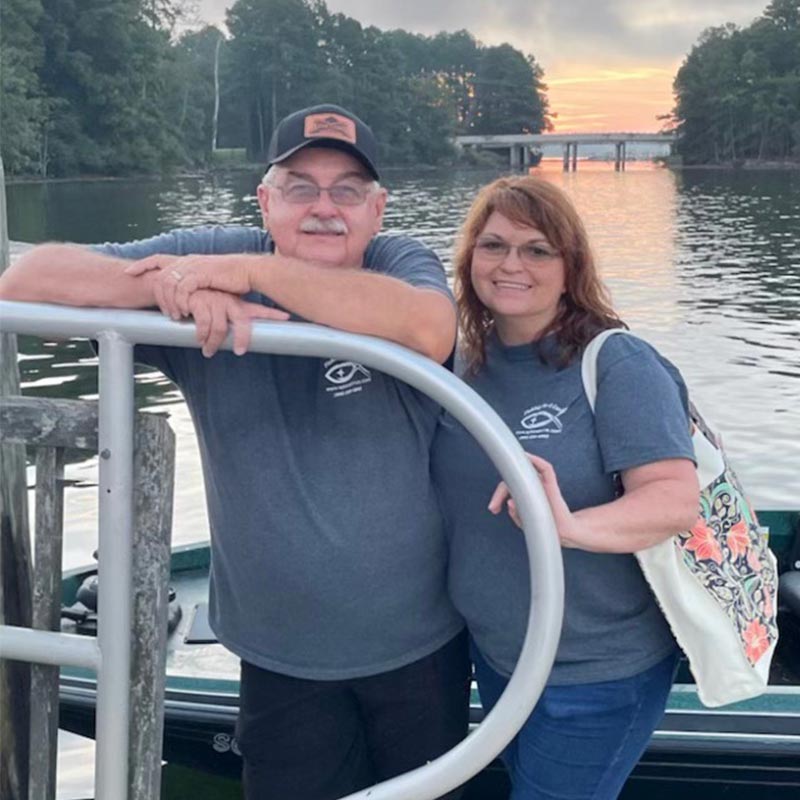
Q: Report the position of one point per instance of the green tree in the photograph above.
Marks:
(276, 62)
(108, 67)
(21, 102)
(738, 91)
(509, 95)
(193, 90)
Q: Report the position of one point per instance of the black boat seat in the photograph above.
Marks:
(83, 612)
(789, 591)
(199, 631)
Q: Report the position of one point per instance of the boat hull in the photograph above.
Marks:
(749, 749)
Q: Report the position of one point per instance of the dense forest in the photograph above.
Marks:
(108, 87)
(738, 91)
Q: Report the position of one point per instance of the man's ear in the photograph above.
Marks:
(262, 193)
(380, 206)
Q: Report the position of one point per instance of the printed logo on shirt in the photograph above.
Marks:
(539, 422)
(345, 377)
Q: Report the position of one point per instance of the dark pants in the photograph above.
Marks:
(320, 740)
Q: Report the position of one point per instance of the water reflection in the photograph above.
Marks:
(704, 264)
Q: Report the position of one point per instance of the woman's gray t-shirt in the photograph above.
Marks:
(612, 625)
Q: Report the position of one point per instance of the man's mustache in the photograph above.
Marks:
(317, 225)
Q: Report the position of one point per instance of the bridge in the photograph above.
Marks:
(519, 144)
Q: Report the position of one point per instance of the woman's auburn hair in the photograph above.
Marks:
(585, 307)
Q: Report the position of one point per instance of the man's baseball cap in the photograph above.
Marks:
(324, 126)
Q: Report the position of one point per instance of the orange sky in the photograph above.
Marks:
(627, 99)
(608, 64)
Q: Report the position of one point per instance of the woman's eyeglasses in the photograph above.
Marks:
(497, 250)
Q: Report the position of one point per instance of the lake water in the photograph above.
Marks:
(705, 264)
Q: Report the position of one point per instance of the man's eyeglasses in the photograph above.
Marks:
(341, 194)
(497, 250)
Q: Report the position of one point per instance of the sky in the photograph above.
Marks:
(608, 64)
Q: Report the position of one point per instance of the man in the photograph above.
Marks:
(328, 557)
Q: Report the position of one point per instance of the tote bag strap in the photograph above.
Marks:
(589, 363)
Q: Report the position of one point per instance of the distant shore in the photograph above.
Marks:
(746, 164)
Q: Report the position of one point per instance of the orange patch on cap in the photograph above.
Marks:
(330, 126)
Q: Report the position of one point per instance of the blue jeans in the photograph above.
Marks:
(581, 741)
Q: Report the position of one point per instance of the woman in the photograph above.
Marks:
(530, 299)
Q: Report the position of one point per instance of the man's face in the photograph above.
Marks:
(319, 230)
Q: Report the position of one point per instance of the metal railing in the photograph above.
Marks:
(117, 332)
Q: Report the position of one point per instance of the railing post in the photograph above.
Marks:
(115, 512)
(15, 570)
(115, 331)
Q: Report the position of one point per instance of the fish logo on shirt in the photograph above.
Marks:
(345, 378)
(344, 371)
(540, 421)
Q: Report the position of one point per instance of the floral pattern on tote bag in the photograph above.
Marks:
(728, 554)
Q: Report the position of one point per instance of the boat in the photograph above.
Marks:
(745, 750)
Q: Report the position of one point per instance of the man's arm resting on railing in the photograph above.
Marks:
(72, 275)
(350, 299)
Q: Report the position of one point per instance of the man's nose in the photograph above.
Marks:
(323, 205)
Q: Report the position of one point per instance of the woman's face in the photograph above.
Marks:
(519, 276)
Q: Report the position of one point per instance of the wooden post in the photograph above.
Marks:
(153, 472)
(15, 570)
(574, 156)
(566, 157)
(46, 617)
(51, 426)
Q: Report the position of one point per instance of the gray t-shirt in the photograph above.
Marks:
(328, 554)
(612, 625)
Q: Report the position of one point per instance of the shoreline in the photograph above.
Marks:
(744, 166)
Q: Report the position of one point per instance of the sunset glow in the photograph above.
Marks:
(585, 99)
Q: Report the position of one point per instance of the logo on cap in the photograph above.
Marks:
(330, 126)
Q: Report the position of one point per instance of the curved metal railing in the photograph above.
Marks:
(117, 332)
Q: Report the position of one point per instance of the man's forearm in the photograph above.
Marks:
(359, 301)
(76, 276)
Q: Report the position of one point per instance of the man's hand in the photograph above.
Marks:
(214, 311)
(179, 277)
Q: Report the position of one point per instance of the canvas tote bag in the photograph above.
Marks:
(716, 583)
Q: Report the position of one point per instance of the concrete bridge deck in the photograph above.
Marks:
(519, 144)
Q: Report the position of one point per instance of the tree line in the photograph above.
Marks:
(107, 87)
(738, 91)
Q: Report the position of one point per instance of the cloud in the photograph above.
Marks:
(556, 32)
(609, 58)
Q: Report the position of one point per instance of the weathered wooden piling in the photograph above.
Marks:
(15, 570)
(51, 426)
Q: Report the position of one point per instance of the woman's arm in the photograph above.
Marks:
(660, 499)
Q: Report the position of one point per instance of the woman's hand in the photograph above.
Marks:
(566, 522)
(659, 500)
(177, 278)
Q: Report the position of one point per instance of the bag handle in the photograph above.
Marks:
(589, 363)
